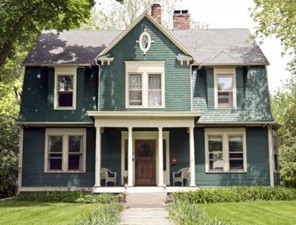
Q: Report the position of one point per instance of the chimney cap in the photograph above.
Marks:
(183, 11)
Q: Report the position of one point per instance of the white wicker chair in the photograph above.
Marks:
(181, 175)
(108, 176)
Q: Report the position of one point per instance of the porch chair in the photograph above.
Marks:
(181, 175)
(108, 176)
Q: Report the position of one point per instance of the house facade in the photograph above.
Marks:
(144, 103)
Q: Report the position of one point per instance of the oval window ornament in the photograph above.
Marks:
(145, 42)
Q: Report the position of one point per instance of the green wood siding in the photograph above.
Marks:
(33, 163)
(177, 77)
(38, 96)
(252, 95)
(257, 161)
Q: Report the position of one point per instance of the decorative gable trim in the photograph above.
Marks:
(105, 59)
(133, 24)
(184, 58)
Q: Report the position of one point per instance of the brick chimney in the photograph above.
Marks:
(181, 20)
(156, 12)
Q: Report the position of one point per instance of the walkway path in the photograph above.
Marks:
(145, 209)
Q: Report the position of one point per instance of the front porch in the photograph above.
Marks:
(144, 149)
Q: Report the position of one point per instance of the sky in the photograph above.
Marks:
(236, 14)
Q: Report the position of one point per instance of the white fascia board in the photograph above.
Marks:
(143, 114)
(236, 123)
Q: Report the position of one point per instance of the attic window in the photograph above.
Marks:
(145, 41)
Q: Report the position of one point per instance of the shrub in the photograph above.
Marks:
(190, 214)
(236, 194)
(107, 214)
(67, 196)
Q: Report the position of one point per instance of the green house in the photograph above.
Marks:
(149, 108)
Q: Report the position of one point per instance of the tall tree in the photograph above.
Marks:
(22, 19)
(278, 17)
(116, 16)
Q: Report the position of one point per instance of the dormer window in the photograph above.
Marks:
(225, 88)
(65, 88)
(145, 41)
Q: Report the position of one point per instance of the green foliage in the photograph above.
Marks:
(277, 18)
(283, 105)
(235, 194)
(190, 214)
(67, 197)
(22, 20)
(104, 215)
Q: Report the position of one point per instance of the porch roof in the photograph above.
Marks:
(144, 118)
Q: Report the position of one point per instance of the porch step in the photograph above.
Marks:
(146, 200)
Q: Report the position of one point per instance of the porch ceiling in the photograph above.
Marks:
(144, 118)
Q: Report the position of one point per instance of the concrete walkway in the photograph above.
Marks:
(145, 209)
(145, 216)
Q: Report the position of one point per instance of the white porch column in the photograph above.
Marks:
(98, 157)
(192, 157)
(160, 157)
(130, 156)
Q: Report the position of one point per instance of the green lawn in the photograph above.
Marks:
(14, 212)
(258, 212)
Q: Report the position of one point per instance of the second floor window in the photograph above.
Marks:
(225, 88)
(65, 88)
(145, 86)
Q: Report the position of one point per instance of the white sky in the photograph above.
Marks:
(236, 14)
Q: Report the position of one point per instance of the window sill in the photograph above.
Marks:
(232, 171)
(69, 171)
(144, 107)
(65, 108)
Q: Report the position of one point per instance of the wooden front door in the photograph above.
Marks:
(145, 162)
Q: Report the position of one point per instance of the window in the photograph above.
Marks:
(225, 88)
(65, 88)
(145, 84)
(65, 150)
(145, 42)
(225, 150)
(275, 151)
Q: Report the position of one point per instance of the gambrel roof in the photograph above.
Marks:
(207, 47)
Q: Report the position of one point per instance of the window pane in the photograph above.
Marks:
(154, 81)
(225, 98)
(65, 99)
(225, 83)
(65, 83)
(154, 98)
(55, 143)
(135, 89)
(75, 143)
(215, 153)
(74, 162)
(235, 143)
(55, 164)
(236, 164)
(135, 97)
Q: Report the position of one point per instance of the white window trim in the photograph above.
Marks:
(225, 71)
(67, 71)
(145, 33)
(145, 68)
(65, 132)
(225, 133)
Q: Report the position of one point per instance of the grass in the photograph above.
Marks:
(258, 212)
(14, 212)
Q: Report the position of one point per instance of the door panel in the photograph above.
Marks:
(145, 162)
